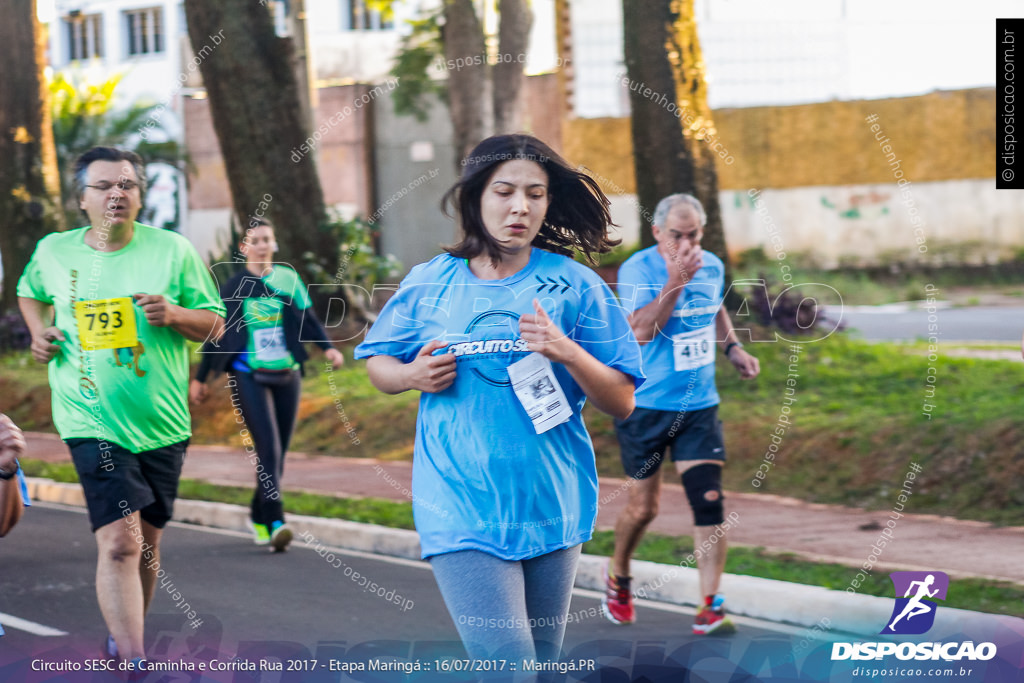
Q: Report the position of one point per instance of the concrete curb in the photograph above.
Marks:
(339, 533)
(771, 600)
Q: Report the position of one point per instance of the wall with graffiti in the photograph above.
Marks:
(955, 221)
(859, 182)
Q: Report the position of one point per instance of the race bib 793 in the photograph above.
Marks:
(106, 324)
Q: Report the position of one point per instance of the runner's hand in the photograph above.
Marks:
(159, 311)
(12, 443)
(43, 348)
(745, 364)
(335, 357)
(428, 373)
(682, 261)
(197, 392)
(545, 337)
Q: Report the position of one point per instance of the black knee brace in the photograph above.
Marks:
(703, 484)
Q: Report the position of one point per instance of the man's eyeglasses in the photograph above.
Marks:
(126, 186)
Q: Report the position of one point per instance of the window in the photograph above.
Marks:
(144, 31)
(85, 36)
(362, 18)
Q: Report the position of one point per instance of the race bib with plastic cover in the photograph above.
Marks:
(539, 392)
(692, 350)
(264, 317)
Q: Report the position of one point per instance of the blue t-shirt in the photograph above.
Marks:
(483, 479)
(680, 361)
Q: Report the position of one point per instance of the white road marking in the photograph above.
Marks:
(9, 621)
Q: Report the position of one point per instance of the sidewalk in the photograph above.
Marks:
(821, 532)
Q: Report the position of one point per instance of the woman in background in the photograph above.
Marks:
(267, 306)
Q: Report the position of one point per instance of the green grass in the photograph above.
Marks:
(850, 288)
(341, 414)
(368, 510)
(856, 425)
(972, 594)
(886, 283)
(383, 424)
(24, 392)
(859, 421)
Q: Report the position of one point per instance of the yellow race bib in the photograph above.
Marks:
(106, 324)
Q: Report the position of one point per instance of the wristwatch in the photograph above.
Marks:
(729, 347)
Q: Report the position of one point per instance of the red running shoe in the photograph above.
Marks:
(711, 617)
(617, 603)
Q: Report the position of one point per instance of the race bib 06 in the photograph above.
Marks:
(269, 345)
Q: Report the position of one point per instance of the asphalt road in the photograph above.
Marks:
(980, 323)
(298, 607)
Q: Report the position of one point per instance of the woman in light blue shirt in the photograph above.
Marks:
(506, 336)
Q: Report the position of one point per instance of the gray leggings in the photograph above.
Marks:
(508, 609)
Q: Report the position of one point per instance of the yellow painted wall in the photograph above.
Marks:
(605, 147)
(946, 135)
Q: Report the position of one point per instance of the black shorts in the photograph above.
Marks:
(115, 480)
(645, 435)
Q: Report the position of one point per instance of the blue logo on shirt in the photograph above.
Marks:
(491, 334)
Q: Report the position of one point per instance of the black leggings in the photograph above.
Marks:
(269, 410)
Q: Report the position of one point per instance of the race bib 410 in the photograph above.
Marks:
(692, 350)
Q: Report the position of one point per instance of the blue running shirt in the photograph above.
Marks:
(680, 361)
(483, 479)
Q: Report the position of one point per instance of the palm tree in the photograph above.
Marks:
(87, 114)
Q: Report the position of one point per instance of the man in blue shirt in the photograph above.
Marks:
(675, 290)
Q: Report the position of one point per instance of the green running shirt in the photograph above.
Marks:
(135, 396)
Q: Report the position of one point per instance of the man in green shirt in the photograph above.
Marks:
(110, 308)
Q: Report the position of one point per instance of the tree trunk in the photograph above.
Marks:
(670, 115)
(508, 77)
(29, 182)
(687, 63)
(663, 161)
(465, 52)
(255, 105)
(303, 63)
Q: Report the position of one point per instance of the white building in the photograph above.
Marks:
(143, 40)
(146, 42)
(801, 51)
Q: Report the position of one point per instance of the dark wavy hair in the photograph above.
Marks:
(577, 219)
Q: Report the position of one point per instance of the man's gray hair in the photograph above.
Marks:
(670, 202)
